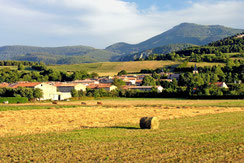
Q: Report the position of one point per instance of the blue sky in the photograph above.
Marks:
(100, 23)
(162, 4)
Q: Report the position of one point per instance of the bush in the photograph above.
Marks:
(14, 99)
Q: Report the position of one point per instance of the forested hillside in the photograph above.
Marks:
(184, 33)
(218, 51)
(55, 55)
(159, 50)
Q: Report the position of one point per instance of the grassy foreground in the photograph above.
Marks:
(208, 138)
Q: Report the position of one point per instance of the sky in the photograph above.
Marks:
(100, 23)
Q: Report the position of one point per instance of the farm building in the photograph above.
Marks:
(68, 87)
(87, 81)
(49, 91)
(107, 87)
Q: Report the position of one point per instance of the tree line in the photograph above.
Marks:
(30, 93)
(42, 74)
(214, 52)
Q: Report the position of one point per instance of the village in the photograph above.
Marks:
(57, 91)
(62, 90)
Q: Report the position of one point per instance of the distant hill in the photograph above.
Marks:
(232, 44)
(224, 50)
(181, 34)
(174, 39)
(56, 55)
(158, 50)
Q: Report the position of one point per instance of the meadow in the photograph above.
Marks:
(112, 68)
(208, 138)
(190, 130)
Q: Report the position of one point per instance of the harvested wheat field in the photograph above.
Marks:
(189, 131)
(65, 119)
(148, 102)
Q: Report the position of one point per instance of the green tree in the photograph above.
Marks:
(37, 93)
(21, 67)
(148, 81)
(123, 72)
(94, 75)
(118, 82)
(155, 75)
(74, 93)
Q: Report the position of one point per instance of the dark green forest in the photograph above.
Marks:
(184, 33)
(218, 51)
(38, 72)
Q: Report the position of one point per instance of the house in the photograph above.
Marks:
(87, 81)
(221, 85)
(2, 85)
(130, 81)
(174, 76)
(68, 87)
(106, 80)
(49, 91)
(107, 87)
(167, 80)
(139, 82)
(144, 88)
(140, 77)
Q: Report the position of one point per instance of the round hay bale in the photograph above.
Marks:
(99, 103)
(83, 103)
(54, 102)
(52, 108)
(149, 123)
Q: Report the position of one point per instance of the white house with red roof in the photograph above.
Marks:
(68, 87)
(107, 87)
(221, 84)
(49, 91)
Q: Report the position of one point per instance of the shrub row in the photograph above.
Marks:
(14, 99)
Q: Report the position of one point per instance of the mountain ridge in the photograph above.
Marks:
(184, 33)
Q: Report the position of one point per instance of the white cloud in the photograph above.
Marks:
(100, 23)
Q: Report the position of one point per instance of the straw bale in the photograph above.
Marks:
(99, 103)
(149, 123)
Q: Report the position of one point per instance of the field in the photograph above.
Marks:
(190, 130)
(112, 68)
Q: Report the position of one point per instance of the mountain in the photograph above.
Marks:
(56, 55)
(158, 50)
(181, 34)
(177, 38)
(222, 51)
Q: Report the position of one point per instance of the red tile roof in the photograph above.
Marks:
(4, 85)
(32, 84)
(93, 86)
(66, 84)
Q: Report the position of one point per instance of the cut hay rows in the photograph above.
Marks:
(51, 120)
